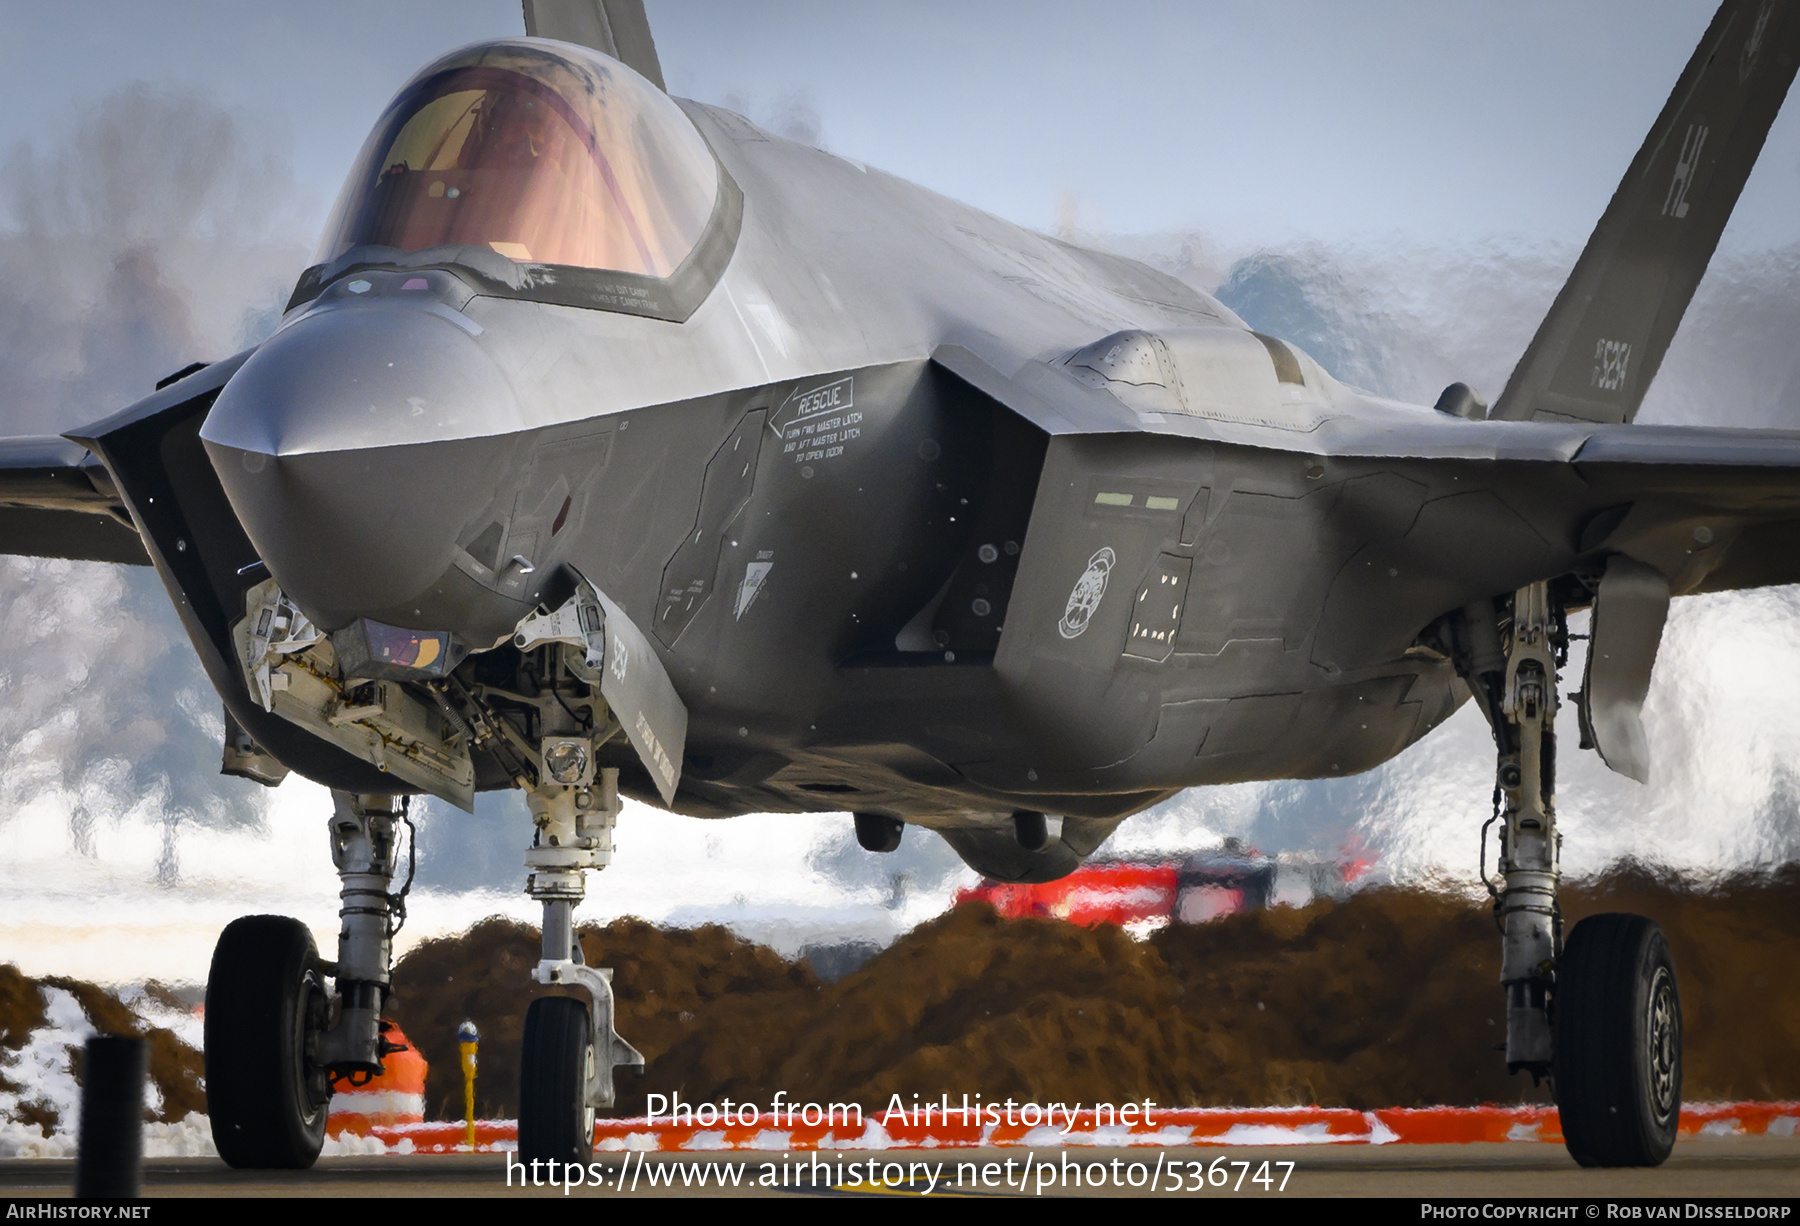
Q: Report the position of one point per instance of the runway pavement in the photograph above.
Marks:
(1735, 1167)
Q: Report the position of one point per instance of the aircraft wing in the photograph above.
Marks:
(57, 501)
(1598, 349)
(1712, 509)
(612, 27)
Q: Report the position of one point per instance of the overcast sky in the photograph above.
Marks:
(1255, 122)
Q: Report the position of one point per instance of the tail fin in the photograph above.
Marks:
(1600, 346)
(612, 27)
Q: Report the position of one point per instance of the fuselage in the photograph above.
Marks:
(927, 513)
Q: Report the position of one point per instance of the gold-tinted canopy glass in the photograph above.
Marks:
(543, 152)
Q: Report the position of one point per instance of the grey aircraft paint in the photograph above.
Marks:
(921, 513)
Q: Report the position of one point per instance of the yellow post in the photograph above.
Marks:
(469, 1039)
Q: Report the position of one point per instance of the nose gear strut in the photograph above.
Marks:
(271, 1049)
(569, 1053)
(574, 833)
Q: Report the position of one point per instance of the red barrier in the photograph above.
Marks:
(1206, 1126)
(1462, 1125)
(448, 1137)
(1105, 893)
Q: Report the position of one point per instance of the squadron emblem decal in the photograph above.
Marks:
(1089, 589)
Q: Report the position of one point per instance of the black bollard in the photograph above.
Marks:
(110, 1151)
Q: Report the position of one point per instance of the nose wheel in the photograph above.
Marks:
(1618, 1042)
(556, 1119)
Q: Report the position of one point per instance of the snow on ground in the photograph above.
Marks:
(39, 1077)
(38, 1081)
(190, 1138)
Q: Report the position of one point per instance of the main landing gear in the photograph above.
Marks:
(272, 1044)
(1599, 1015)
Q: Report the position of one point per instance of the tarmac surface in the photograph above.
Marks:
(1736, 1167)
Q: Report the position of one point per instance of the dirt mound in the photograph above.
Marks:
(664, 979)
(969, 1003)
(176, 1070)
(1387, 999)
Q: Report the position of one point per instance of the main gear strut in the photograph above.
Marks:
(1511, 657)
(364, 849)
(1529, 845)
(1601, 1016)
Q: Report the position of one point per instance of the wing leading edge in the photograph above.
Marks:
(57, 501)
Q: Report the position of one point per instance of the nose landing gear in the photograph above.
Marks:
(1600, 1014)
(571, 1048)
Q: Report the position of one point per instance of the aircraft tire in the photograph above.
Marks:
(1618, 1042)
(265, 990)
(555, 1121)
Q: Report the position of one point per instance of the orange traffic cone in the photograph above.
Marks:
(395, 1097)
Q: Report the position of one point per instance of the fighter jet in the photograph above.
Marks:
(612, 446)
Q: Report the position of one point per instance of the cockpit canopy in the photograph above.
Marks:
(543, 152)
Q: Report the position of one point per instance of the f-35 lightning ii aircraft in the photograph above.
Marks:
(612, 446)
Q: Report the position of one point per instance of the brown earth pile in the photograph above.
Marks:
(177, 1070)
(665, 981)
(1387, 999)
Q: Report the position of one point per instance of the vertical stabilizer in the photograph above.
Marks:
(613, 27)
(1600, 346)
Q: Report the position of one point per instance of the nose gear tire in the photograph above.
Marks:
(1618, 1042)
(555, 1121)
(264, 994)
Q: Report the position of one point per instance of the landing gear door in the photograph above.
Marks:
(1629, 612)
(637, 687)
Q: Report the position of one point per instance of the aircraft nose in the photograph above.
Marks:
(344, 446)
